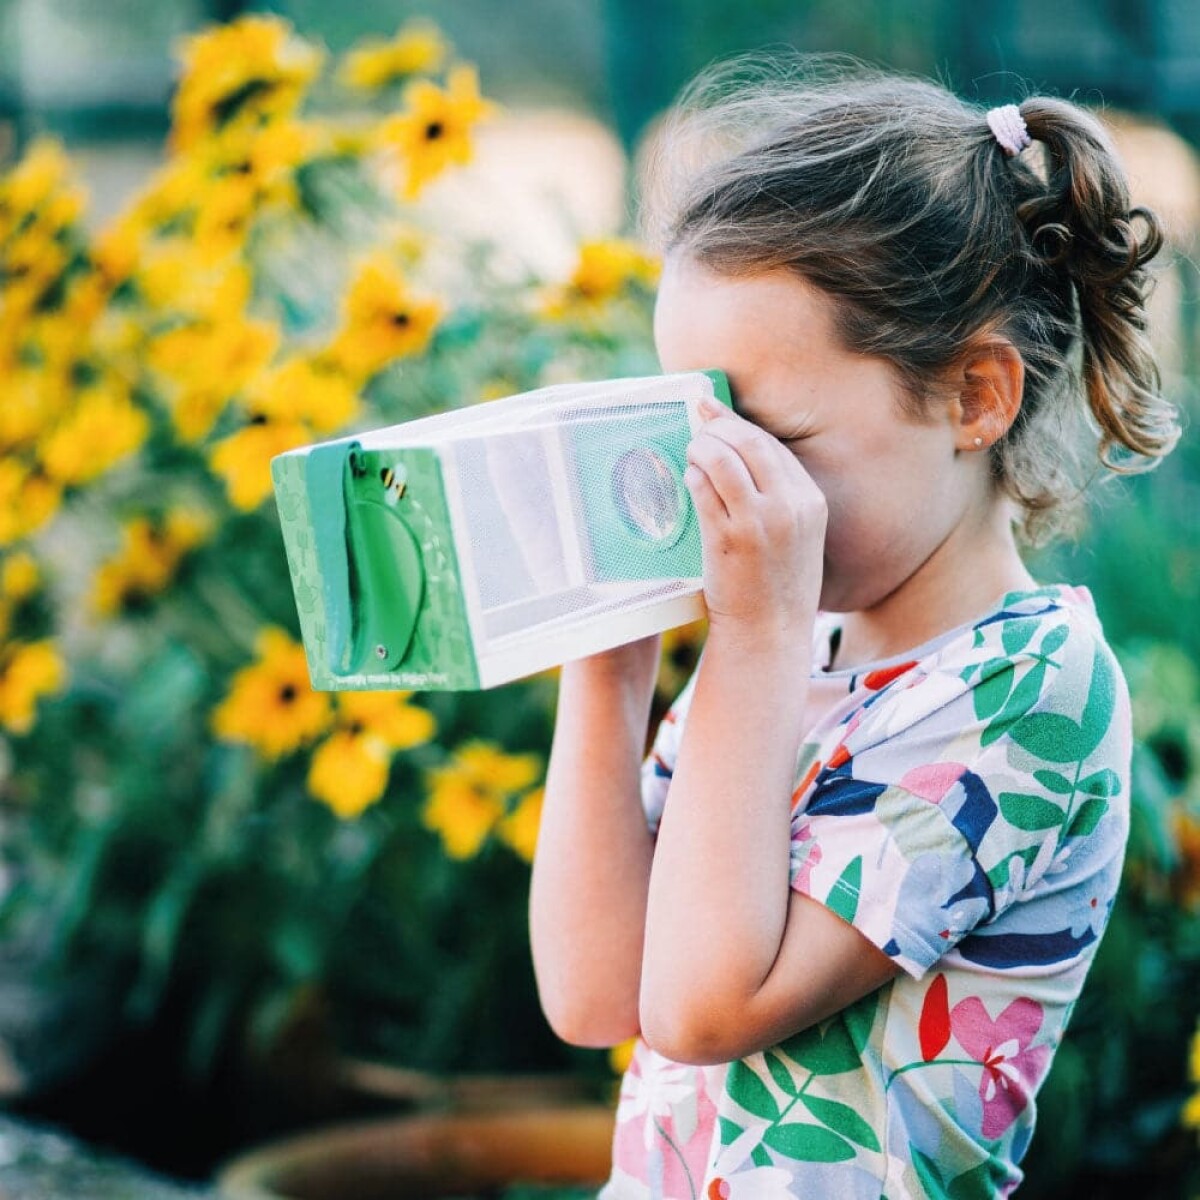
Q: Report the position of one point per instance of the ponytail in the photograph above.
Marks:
(1082, 223)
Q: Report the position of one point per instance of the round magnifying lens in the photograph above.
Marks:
(647, 494)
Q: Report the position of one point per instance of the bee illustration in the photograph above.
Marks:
(395, 483)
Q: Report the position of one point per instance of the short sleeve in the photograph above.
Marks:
(995, 772)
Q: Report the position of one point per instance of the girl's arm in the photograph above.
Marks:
(592, 866)
(733, 960)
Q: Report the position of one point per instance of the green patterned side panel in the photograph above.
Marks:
(439, 654)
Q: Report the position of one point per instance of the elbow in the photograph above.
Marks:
(579, 1022)
(699, 1035)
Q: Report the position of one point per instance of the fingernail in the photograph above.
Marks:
(708, 409)
(691, 477)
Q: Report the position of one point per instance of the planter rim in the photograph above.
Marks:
(252, 1175)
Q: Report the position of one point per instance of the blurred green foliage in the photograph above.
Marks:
(241, 904)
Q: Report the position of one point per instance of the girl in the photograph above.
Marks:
(853, 897)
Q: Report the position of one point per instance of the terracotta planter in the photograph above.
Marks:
(460, 1155)
(467, 1092)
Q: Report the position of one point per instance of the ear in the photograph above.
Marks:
(990, 383)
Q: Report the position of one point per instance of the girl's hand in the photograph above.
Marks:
(762, 529)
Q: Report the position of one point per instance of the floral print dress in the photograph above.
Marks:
(966, 808)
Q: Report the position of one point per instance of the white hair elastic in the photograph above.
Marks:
(1008, 126)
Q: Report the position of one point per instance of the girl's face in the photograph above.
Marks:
(898, 491)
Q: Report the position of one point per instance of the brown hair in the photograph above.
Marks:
(894, 197)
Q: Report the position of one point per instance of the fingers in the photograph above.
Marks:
(741, 462)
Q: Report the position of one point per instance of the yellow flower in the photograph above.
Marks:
(116, 249)
(381, 320)
(103, 427)
(680, 653)
(28, 499)
(520, 828)
(32, 267)
(210, 361)
(349, 773)
(30, 186)
(170, 193)
(148, 560)
(350, 769)
(605, 270)
(20, 576)
(33, 399)
(270, 704)
(434, 131)
(620, 1056)
(1194, 1058)
(28, 671)
(1185, 881)
(251, 69)
(182, 277)
(1190, 1116)
(223, 217)
(508, 773)
(308, 389)
(417, 49)
(468, 797)
(243, 460)
(386, 716)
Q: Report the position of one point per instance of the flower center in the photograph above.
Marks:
(434, 130)
(287, 693)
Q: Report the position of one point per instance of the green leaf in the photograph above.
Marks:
(730, 1130)
(1023, 698)
(991, 693)
(780, 1073)
(1029, 812)
(1088, 817)
(860, 1019)
(1050, 736)
(842, 1119)
(1054, 640)
(976, 1184)
(1102, 783)
(1026, 693)
(1098, 711)
(998, 875)
(843, 896)
(759, 1156)
(809, 1143)
(748, 1090)
(828, 1053)
(1015, 634)
(1052, 781)
(927, 1172)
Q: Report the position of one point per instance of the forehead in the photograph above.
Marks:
(739, 315)
(771, 332)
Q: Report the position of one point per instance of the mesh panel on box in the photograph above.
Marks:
(576, 506)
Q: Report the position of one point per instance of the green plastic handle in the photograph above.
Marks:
(325, 472)
(369, 562)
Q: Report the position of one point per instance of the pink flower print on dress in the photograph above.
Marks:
(1012, 1067)
(805, 856)
(665, 1115)
(933, 781)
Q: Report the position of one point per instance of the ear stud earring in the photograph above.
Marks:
(978, 442)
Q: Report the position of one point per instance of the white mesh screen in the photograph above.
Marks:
(568, 502)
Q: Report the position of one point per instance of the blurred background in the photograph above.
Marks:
(230, 908)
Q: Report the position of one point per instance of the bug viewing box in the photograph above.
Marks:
(479, 545)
